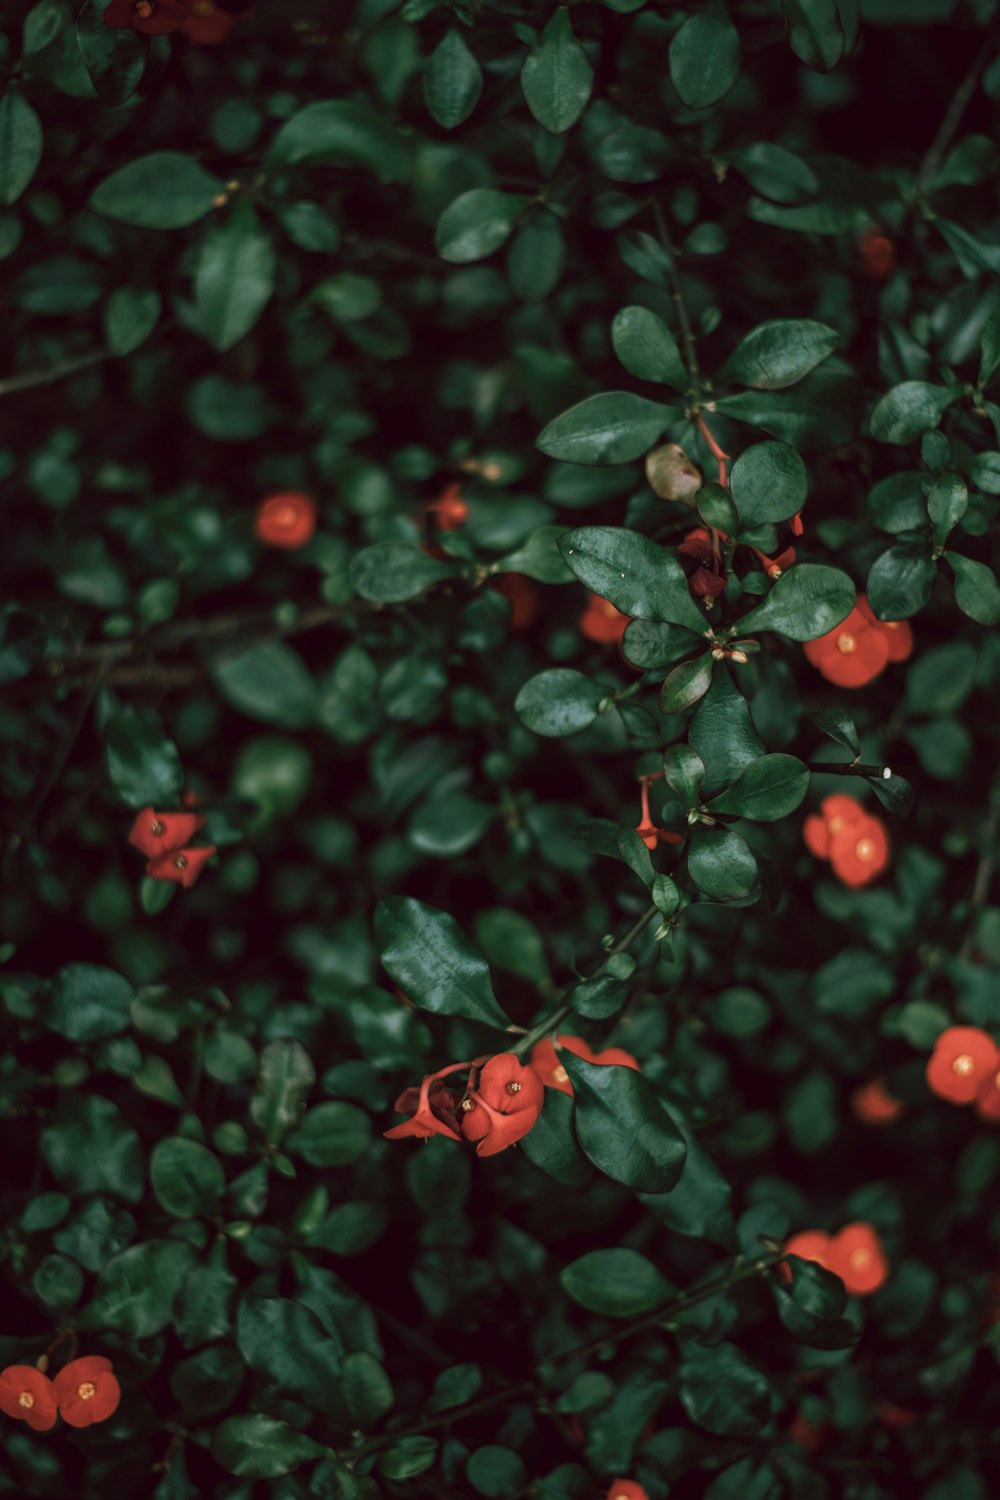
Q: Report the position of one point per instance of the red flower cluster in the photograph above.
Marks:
(854, 1253)
(708, 580)
(857, 650)
(874, 1105)
(601, 621)
(855, 842)
(200, 20)
(163, 838)
(286, 520)
(84, 1392)
(545, 1060)
(502, 1100)
(964, 1068)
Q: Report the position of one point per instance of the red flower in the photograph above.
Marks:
(626, 1489)
(87, 1391)
(708, 580)
(287, 520)
(857, 650)
(801, 1431)
(859, 854)
(158, 833)
(151, 17)
(876, 255)
(874, 1105)
(601, 621)
(451, 511)
(432, 1108)
(836, 814)
(505, 1105)
(523, 595)
(181, 866)
(855, 1255)
(205, 23)
(962, 1065)
(28, 1396)
(895, 1416)
(810, 1244)
(647, 829)
(545, 1060)
(988, 1100)
(796, 524)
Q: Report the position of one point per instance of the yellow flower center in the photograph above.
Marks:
(86, 1390)
(156, 827)
(560, 1075)
(180, 863)
(846, 643)
(26, 1399)
(963, 1065)
(513, 1087)
(835, 824)
(285, 516)
(859, 1260)
(865, 850)
(144, 8)
(467, 1104)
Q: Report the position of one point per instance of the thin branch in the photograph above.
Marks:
(32, 378)
(850, 768)
(677, 292)
(59, 762)
(956, 109)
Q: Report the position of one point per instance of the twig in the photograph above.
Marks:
(677, 292)
(956, 109)
(850, 768)
(32, 378)
(62, 755)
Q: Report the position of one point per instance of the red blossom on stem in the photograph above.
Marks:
(545, 1059)
(286, 520)
(647, 829)
(28, 1396)
(963, 1064)
(601, 621)
(432, 1108)
(504, 1106)
(87, 1391)
(180, 866)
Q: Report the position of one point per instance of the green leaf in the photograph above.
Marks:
(819, 411)
(130, 315)
(408, 1457)
(551, 1142)
(684, 770)
(647, 349)
(144, 766)
(768, 789)
(723, 733)
(392, 572)
(769, 483)
(285, 1343)
(496, 1472)
(814, 32)
(367, 1389)
(686, 683)
(164, 190)
(204, 1310)
(837, 724)
(946, 505)
(623, 1126)
(977, 592)
(556, 76)
(705, 56)
(235, 276)
(91, 1148)
(807, 601)
(115, 58)
(776, 173)
(558, 702)
(428, 955)
(720, 864)
(136, 1291)
(477, 223)
(989, 347)
(901, 581)
(722, 1391)
(23, 638)
(612, 428)
(89, 1002)
(259, 1447)
(513, 942)
(617, 1283)
(331, 1135)
(641, 579)
(187, 1178)
(21, 142)
(911, 409)
(700, 1204)
(453, 80)
(285, 1078)
(341, 132)
(778, 353)
(270, 682)
(538, 558)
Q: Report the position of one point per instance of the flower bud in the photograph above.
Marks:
(672, 475)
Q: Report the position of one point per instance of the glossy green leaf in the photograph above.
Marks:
(722, 1391)
(641, 579)
(768, 483)
(608, 429)
(623, 1126)
(235, 276)
(165, 190)
(285, 1078)
(88, 1002)
(477, 223)
(815, 32)
(778, 353)
(21, 141)
(977, 592)
(344, 133)
(705, 56)
(453, 80)
(617, 1283)
(551, 1143)
(647, 349)
(187, 1178)
(261, 1447)
(686, 683)
(136, 1291)
(392, 572)
(143, 764)
(911, 409)
(807, 601)
(900, 581)
(767, 789)
(720, 864)
(130, 315)
(331, 1135)
(91, 1148)
(433, 962)
(285, 1343)
(556, 76)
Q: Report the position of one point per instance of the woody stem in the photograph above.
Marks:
(717, 453)
(852, 768)
(677, 292)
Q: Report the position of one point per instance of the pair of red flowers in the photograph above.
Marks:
(501, 1102)
(164, 838)
(860, 648)
(84, 1392)
(708, 580)
(200, 20)
(964, 1068)
(854, 1253)
(854, 841)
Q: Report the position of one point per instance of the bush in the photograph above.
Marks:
(497, 653)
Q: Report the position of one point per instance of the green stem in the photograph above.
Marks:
(677, 292)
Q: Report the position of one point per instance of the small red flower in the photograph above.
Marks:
(800, 1430)
(180, 866)
(157, 833)
(963, 1063)
(523, 595)
(151, 17)
(860, 853)
(895, 1416)
(810, 1244)
(545, 1060)
(856, 1255)
(874, 1105)
(876, 255)
(28, 1396)
(87, 1391)
(647, 829)
(601, 621)
(857, 650)
(287, 520)
(796, 524)
(206, 24)
(836, 814)
(504, 1106)
(450, 512)
(626, 1489)
(898, 633)
(432, 1109)
(708, 580)
(988, 1100)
